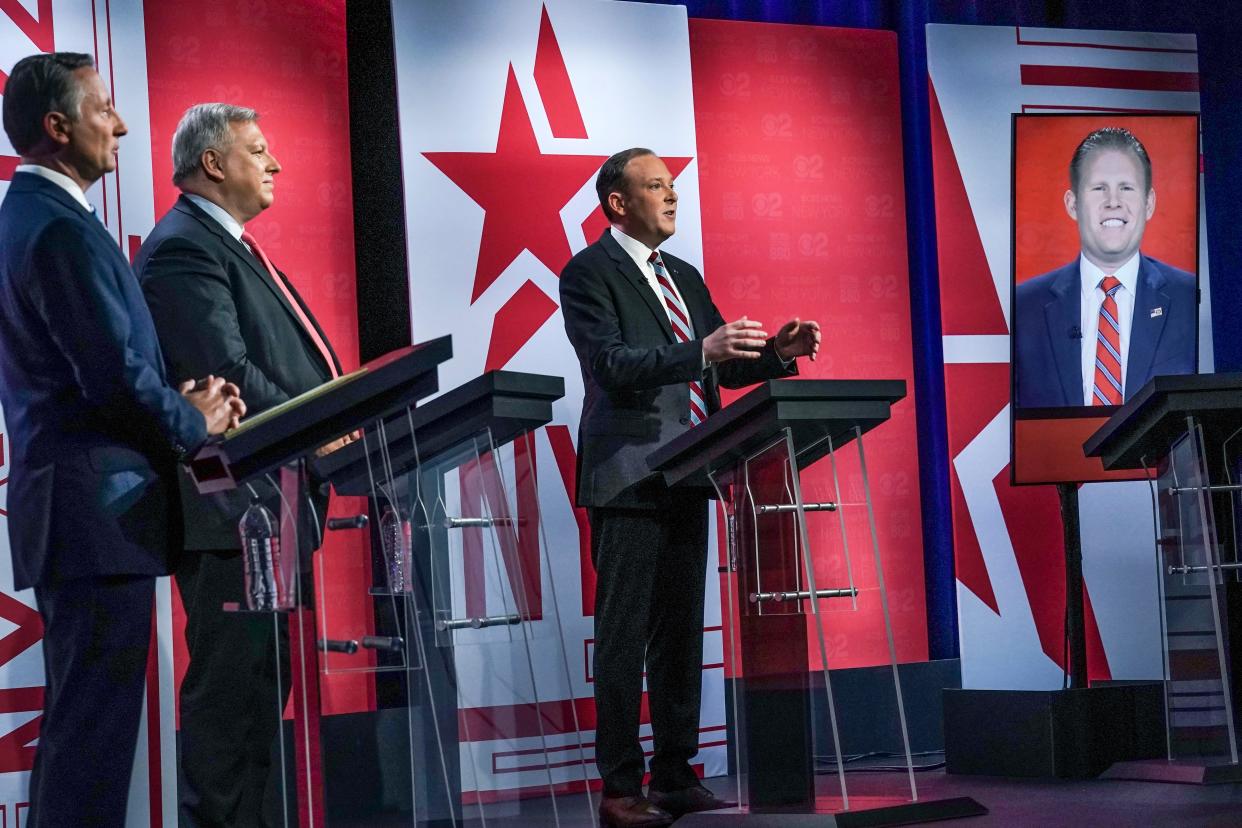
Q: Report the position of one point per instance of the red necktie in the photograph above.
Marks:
(1108, 388)
(293, 302)
(679, 318)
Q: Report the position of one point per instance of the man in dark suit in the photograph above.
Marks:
(1096, 330)
(218, 301)
(96, 430)
(654, 352)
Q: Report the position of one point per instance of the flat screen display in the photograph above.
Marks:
(1104, 272)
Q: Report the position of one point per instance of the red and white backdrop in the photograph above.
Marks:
(1010, 564)
(786, 144)
(288, 61)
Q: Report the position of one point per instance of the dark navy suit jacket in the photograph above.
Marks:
(1047, 353)
(95, 428)
(634, 371)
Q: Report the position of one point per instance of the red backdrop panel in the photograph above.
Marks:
(803, 205)
(287, 61)
(1047, 238)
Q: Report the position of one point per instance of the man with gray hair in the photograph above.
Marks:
(218, 301)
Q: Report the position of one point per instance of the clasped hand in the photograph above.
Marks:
(218, 401)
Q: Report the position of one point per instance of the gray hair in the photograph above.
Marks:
(205, 126)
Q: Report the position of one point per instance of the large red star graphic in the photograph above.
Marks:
(521, 190)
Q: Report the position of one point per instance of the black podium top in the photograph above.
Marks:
(1147, 425)
(812, 409)
(300, 425)
(510, 403)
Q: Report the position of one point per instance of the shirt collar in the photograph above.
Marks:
(222, 216)
(60, 180)
(1127, 274)
(637, 251)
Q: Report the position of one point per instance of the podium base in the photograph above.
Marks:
(1177, 771)
(910, 813)
(1061, 734)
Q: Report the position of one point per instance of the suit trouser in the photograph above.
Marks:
(96, 639)
(649, 568)
(232, 698)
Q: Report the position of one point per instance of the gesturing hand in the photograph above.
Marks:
(797, 338)
(742, 339)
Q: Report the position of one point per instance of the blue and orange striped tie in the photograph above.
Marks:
(679, 318)
(1108, 388)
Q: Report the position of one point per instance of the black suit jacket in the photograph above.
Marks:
(635, 372)
(95, 428)
(218, 312)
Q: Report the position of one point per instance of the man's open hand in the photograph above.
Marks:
(742, 339)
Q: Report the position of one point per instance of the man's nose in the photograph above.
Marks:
(273, 166)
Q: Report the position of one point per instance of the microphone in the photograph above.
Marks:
(1075, 332)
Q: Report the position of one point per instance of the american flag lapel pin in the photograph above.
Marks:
(1157, 312)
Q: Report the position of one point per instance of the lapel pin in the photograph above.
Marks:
(1157, 312)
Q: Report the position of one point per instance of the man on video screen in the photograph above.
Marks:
(1096, 330)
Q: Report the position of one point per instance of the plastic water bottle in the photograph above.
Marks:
(395, 539)
(260, 540)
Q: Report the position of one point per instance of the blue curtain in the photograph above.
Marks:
(1219, 29)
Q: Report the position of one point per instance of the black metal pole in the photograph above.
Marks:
(1075, 625)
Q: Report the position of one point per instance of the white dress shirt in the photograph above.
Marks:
(1092, 297)
(234, 228)
(60, 180)
(641, 253)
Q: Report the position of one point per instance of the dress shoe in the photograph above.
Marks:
(632, 812)
(688, 800)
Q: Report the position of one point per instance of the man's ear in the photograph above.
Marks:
(616, 202)
(1071, 204)
(57, 127)
(211, 163)
(1151, 203)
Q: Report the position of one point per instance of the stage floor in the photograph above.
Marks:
(1010, 802)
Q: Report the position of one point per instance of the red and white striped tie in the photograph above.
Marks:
(1108, 387)
(679, 318)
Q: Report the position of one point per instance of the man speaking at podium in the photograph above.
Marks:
(1096, 330)
(654, 351)
(218, 300)
(96, 432)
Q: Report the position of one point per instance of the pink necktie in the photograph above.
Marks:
(293, 302)
(679, 318)
(1108, 389)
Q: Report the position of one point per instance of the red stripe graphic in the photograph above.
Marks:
(155, 789)
(1144, 80)
(555, 89)
(1077, 108)
(1115, 47)
(567, 462)
(39, 30)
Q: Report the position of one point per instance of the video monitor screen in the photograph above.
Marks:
(1104, 277)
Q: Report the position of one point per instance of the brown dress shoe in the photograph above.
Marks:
(632, 812)
(688, 800)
